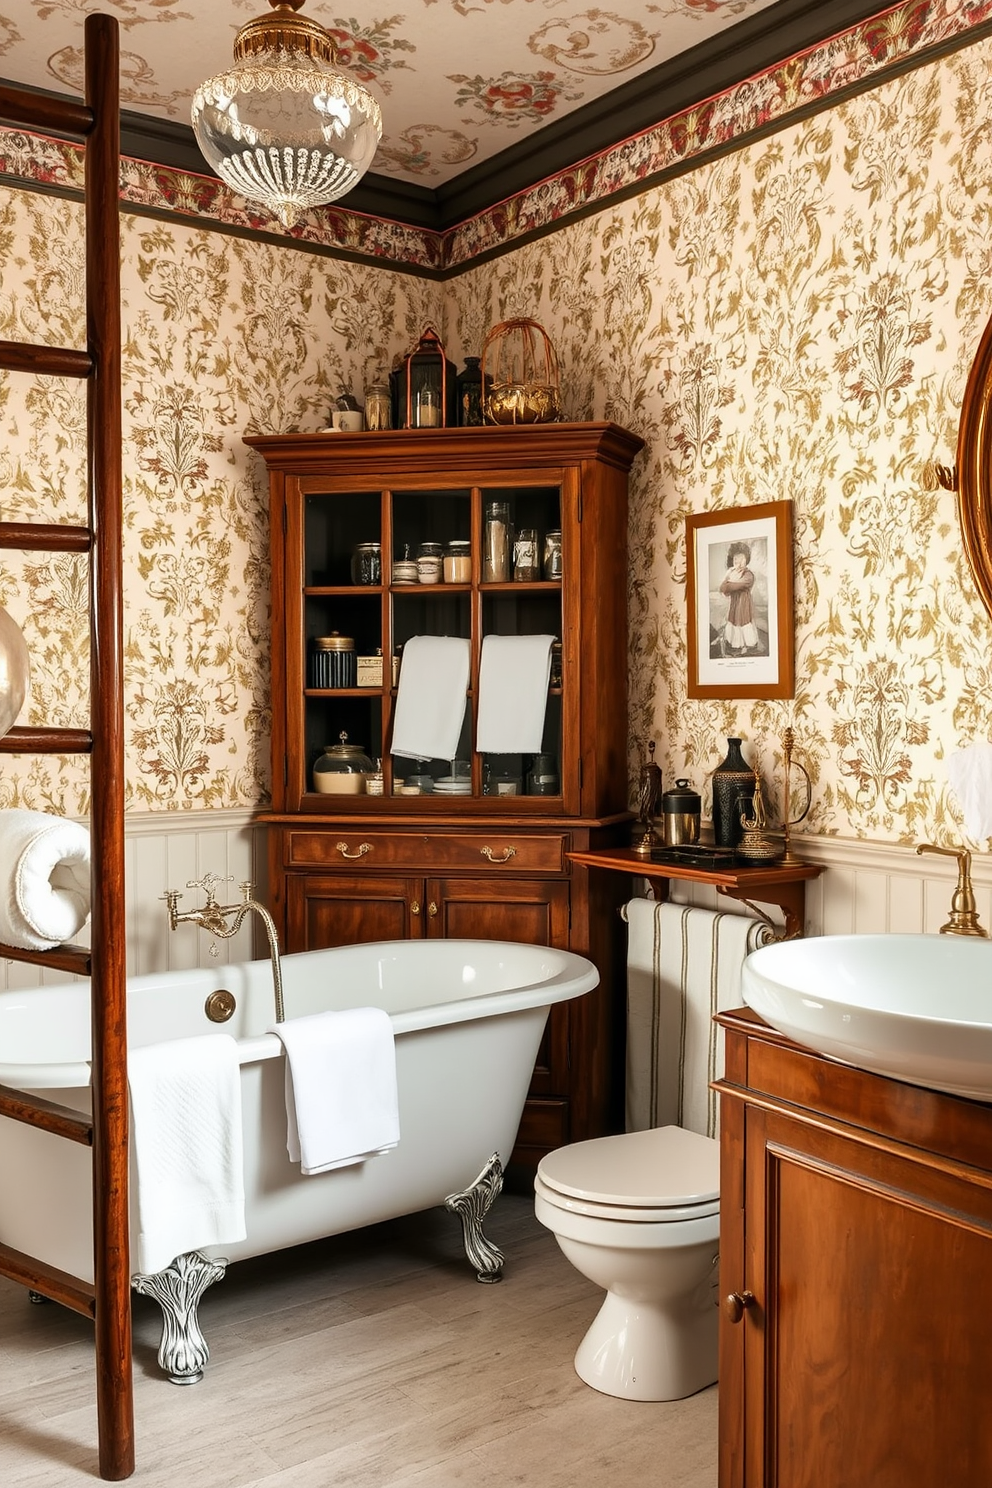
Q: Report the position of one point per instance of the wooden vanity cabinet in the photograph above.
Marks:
(485, 865)
(855, 1274)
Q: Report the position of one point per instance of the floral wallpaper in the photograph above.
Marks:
(221, 336)
(795, 319)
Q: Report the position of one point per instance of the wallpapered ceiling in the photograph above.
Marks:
(795, 320)
(458, 81)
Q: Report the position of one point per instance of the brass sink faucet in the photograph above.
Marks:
(964, 915)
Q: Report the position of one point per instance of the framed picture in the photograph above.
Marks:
(739, 598)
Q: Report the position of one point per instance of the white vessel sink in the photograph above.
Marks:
(916, 1007)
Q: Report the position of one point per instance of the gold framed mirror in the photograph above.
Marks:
(974, 468)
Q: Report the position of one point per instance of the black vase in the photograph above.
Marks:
(468, 392)
(733, 789)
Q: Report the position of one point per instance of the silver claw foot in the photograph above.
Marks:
(183, 1352)
(472, 1206)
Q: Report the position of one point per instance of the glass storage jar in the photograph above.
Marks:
(332, 661)
(342, 769)
(458, 562)
(496, 543)
(552, 554)
(429, 563)
(366, 563)
(379, 406)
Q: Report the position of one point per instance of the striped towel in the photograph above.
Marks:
(683, 965)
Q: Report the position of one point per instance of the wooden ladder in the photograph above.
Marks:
(96, 123)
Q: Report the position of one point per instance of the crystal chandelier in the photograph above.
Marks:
(282, 127)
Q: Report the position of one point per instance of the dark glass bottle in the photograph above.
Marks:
(468, 393)
(733, 788)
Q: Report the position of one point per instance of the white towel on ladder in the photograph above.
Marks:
(683, 966)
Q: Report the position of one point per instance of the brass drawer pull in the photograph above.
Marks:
(415, 907)
(735, 1304)
(507, 854)
(432, 909)
(360, 851)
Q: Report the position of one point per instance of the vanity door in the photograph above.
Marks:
(866, 1347)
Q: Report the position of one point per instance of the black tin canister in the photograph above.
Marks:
(332, 661)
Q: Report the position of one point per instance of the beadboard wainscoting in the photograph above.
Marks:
(166, 851)
(865, 888)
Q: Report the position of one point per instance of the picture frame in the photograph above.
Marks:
(739, 602)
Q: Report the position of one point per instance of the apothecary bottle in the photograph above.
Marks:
(379, 406)
(458, 562)
(430, 560)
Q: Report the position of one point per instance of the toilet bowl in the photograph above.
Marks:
(639, 1214)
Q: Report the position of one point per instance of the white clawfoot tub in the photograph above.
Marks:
(468, 1018)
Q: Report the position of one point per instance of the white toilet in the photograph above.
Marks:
(639, 1214)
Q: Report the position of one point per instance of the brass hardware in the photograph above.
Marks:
(415, 907)
(507, 854)
(213, 917)
(220, 1005)
(736, 1304)
(432, 909)
(964, 915)
(360, 851)
(788, 742)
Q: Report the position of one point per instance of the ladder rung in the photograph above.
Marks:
(48, 1280)
(45, 361)
(61, 958)
(56, 537)
(34, 1110)
(24, 740)
(34, 110)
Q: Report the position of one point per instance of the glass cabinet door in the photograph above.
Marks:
(480, 563)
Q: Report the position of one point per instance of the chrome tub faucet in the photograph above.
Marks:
(225, 920)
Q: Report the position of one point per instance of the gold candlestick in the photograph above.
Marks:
(788, 742)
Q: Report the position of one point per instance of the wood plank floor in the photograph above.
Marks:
(372, 1360)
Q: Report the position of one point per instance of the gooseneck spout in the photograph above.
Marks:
(225, 920)
(964, 913)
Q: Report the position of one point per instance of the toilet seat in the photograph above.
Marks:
(664, 1175)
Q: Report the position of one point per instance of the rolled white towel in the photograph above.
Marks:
(44, 879)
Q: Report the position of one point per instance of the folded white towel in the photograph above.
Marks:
(45, 873)
(970, 773)
(513, 693)
(187, 1147)
(431, 697)
(341, 1098)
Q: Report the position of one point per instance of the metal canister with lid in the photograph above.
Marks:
(681, 807)
(332, 661)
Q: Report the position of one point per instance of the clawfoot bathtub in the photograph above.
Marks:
(468, 1018)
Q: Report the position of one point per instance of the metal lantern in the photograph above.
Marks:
(424, 386)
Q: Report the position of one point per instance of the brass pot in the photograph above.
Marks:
(523, 403)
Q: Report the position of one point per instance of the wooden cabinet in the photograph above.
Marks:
(491, 863)
(856, 1273)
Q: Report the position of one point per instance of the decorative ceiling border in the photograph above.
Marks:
(905, 34)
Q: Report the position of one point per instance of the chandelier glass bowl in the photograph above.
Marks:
(283, 127)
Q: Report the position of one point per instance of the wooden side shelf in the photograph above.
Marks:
(782, 884)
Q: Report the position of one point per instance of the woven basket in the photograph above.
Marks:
(520, 360)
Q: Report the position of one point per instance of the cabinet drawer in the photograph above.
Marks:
(509, 852)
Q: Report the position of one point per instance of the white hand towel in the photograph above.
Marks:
(431, 697)
(342, 1104)
(513, 693)
(187, 1147)
(970, 774)
(45, 871)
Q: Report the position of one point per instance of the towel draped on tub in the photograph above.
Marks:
(342, 1104)
(683, 965)
(45, 873)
